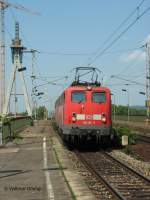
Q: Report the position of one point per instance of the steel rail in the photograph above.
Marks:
(127, 167)
(112, 190)
(108, 182)
(144, 138)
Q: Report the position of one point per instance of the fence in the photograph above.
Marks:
(10, 125)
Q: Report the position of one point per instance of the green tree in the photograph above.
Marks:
(41, 112)
(123, 110)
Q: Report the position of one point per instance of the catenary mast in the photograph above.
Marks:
(17, 56)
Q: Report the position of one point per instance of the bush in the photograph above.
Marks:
(55, 126)
(128, 150)
(16, 135)
(120, 131)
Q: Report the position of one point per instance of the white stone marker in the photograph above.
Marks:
(124, 140)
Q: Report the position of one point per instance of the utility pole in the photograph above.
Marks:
(128, 106)
(114, 107)
(34, 103)
(17, 56)
(148, 80)
(46, 101)
(128, 101)
(127, 90)
(33, 51)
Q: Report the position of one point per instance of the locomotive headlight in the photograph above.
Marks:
(89, 88)
(103, 118)
(74, 117)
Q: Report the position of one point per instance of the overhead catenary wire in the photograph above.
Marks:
(122, 51)
(53, 82)
(136, 76)
(85, 54)
(125, 69)
(119, 36)
(130, 65)
(64, 54)
(119, 84)
(50, 77)
(126, 79)
(129, 81)
(71, 54)
(120, 26)
(82, 53)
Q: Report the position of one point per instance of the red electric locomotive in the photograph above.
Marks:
(83, 111)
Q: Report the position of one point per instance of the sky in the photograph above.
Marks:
(73, 33)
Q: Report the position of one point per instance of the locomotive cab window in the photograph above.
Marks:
(78, 97)
(99, 97)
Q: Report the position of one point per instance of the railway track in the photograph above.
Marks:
(143, 138)
(123, 182)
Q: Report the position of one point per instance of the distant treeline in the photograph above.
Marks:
(41, 113)
(123, 110)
